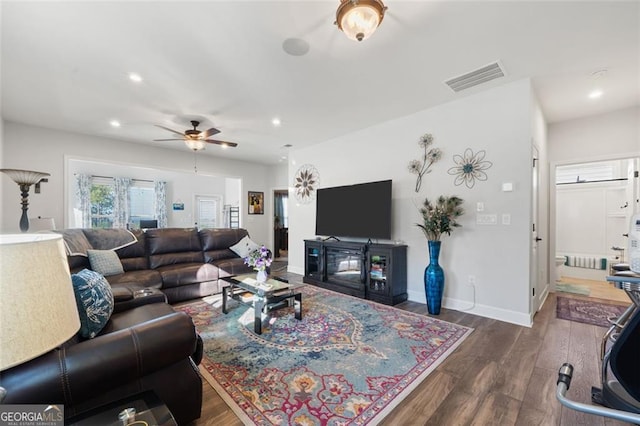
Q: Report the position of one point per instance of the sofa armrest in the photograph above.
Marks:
(72, 374)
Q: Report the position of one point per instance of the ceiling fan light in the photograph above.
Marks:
(195, 144)
(359, 19)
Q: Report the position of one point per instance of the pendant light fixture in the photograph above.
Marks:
(358, 19)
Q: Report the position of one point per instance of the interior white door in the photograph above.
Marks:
(208, 211)
(534, 265)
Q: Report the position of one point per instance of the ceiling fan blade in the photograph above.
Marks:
(163, 140)
(212, 131)
(171, 130)
(230, 144)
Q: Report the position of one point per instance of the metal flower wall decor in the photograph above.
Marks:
(430, 156)
(305, 183)
(469, 167)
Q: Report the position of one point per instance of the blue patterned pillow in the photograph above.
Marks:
(105, 262)
(94, 300)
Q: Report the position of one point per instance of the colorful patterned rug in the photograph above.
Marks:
(587, 311)
(348, 361)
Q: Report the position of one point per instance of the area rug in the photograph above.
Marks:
(348, 361)
(573, 288)
(587, 311)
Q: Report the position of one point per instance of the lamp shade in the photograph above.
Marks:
(38, 308)
(358, 19)
(25, 177)
(195, 144)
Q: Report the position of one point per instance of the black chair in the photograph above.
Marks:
(619, 397)
(148, 223)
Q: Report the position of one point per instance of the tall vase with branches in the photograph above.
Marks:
(437, 219)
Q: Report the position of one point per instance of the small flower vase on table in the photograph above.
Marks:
(262, 276)
(434, 279)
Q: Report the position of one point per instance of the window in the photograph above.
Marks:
(587, 172)
(141, 202)
(102, 203)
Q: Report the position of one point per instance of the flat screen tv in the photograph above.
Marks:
(362, 210)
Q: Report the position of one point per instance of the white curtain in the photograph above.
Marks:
(83, 201)
(121, 202)
(160, 189)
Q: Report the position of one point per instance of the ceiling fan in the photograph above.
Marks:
(196, 139)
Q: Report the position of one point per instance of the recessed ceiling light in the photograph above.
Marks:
(115, 123)
(135, 77)
(276, 122)
(595, 94)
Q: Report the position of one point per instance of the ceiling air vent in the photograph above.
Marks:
(473, 78)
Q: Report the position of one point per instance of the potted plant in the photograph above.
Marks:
(437, 219)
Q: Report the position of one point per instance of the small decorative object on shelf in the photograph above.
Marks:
(437, 219)
(430, 156)
(259, 260)
(469, 167)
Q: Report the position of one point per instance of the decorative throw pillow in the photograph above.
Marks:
(243, 247)
(94, 300)
(105, 262)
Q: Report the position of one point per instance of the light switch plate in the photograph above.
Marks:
(487, 219)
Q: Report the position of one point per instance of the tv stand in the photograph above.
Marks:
(376, 272)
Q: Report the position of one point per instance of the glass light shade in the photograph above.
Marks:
(39, 310)
(358, 19)
(25, 177)
(195, 144)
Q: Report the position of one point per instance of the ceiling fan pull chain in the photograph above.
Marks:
(195, 162)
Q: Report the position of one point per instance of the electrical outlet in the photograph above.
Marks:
(472, 280)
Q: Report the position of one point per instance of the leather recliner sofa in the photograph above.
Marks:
(149, 347)
(183, 263)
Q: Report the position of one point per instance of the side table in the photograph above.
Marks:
(149, 410)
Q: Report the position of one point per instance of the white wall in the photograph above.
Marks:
(35, 148)
(498, 121)
(612, 135)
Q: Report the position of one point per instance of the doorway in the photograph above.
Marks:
(280, 225)
(594, 204)
(208, 211)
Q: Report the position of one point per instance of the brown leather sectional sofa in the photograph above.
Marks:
(145, 348)
(145, 345)
(183, 263)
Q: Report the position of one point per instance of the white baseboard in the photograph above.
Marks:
(295, 270)
(505, 315)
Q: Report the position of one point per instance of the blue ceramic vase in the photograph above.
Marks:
(434, 279)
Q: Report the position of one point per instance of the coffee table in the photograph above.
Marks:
(273, 294)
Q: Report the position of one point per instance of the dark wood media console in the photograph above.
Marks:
(376, 272)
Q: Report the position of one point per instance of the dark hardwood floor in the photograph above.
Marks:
(503, 374)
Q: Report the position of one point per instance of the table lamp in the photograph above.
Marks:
(38, 309)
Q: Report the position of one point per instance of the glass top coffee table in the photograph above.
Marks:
(273, 294)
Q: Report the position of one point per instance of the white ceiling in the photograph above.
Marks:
(65, 65)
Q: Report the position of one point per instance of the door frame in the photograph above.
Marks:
(552, 199)
(196, 212)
